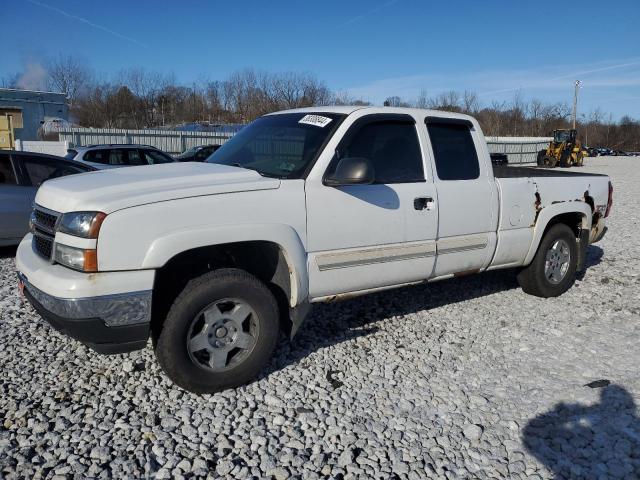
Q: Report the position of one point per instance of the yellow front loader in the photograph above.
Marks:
(564, 150)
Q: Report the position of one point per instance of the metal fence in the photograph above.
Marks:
(170, 141)
(518, 149)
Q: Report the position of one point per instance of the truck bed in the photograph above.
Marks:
(509, 171)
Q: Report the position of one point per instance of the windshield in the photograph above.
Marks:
(281, 146)
(561, 136)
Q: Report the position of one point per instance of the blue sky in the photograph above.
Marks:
(370, 49)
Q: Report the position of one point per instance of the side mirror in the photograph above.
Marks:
(352, 171)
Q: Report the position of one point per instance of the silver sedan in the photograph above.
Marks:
(21, 173)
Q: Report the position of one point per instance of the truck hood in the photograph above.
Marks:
(114, 189)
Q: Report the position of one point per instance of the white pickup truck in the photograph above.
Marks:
(212, 260)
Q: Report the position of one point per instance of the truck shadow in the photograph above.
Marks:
(594, 257)
(588, 442)
(330, 324)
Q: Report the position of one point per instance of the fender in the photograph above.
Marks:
(166, 247)
(548, 213)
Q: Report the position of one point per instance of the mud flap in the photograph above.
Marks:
(297, 316)
(583, 243)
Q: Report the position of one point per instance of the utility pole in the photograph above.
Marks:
(575, 103)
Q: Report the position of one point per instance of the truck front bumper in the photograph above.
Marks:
(108, 322)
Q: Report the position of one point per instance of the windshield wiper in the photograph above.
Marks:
(255, 170)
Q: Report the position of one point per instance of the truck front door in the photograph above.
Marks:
(363, 237)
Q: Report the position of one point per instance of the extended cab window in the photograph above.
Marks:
(391, 146)
(455, 154)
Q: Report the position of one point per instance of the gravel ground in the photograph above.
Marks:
(468, 378)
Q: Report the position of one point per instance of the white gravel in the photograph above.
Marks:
(469, 378)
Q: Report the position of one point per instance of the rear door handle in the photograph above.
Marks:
(423, 203)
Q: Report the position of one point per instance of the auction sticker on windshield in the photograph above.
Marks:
(316, 120)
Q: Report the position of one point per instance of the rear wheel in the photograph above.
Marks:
(540, 157)
(219, 333)
(553, 268)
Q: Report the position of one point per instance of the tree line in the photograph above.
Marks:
(137, 98)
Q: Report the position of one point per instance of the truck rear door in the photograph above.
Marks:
(467, 196)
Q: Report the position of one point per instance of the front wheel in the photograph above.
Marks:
(553, 269)
(219, 333)
(550, 161)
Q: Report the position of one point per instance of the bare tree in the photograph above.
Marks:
(343, 98)
(395, 101)
(137, 98)
(423, 100)
(470, 103)
(68, 74)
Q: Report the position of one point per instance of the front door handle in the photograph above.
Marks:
(423, 203)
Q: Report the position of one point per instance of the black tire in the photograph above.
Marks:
(532, 278)
(540, 157)
(565, 160)
(550, 162)
(172, 350)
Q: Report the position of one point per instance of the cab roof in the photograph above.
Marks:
(349, 109)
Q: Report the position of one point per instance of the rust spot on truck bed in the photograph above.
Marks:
(589, 200)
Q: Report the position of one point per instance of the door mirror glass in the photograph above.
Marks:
(352, 171)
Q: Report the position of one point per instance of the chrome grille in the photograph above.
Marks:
(45, 220)
(44, 227)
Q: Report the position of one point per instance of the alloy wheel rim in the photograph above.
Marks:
(557, 262)
(223, 334)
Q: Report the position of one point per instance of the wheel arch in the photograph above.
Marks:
(274, 255)
(577, 215)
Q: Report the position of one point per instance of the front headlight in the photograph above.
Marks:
(85, 260)
(82, 224)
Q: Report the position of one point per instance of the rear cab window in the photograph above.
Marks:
(454, 152)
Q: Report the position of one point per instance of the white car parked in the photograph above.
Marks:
(212, 259)
(115, 155)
